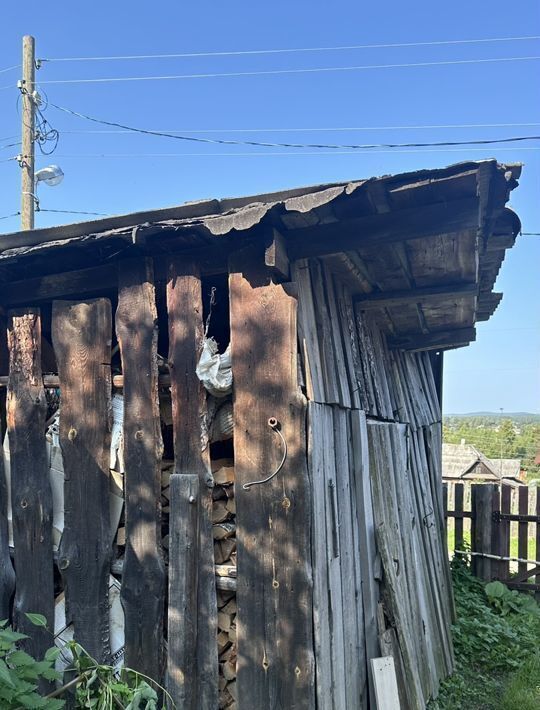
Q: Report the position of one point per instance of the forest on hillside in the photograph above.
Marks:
(514, 436)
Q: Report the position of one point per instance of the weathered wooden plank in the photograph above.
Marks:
(482, 494)
(184, 304)
(380, 229)
(385, 682)
(31, 497)
(274, 594)
(366, 533)
(143, 579)
(504, 532)
(318, 431)
(537, 547)
(339, 358)
(307, 333)
(82, 344)
(386, 299)
(182, 670)
(458, 507)
(350, 345)
(7, 573)
(275, 256)
(353, 617)
(523, 528)
(433, 341)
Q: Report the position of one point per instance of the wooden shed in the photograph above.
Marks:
(265, 565)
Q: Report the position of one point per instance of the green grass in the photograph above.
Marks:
(495, 648)
(523, 691)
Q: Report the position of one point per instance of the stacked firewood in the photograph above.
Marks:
(224, 531)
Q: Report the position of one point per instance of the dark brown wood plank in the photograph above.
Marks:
(184, 304)
(504, 532)
(82, 343)
(386, 299)
(433, 341)
(458, 507)
(482, 494)
(274, 595)
(68, 283)
(143, 579)
(182, 667)
(523, 528)
(31, 496)
(379, 229)
(275, 256)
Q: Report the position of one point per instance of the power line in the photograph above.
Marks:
(530, 234)
(311, 129)
(15, 66)
(10, 145)
(222, 141)
(8, 160)
(98, 214)
(266, 72)
(7, 216)
(290, 50)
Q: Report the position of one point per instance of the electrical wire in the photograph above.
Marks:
(97, 214)
(10, 145)
(222, 141)
(8, 160)
(309, 130)
(7, 216)
(530, 234)
(266, 72)
(289, 51)
(15, 66)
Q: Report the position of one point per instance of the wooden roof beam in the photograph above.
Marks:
(440, 340)
(387, 299)
(419, 222)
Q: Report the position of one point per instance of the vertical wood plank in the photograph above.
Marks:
(274, 594)
(458, 524)
(504, 526)
(182, 668)
(184, 304)
(31, 496)
(7, 573)
(143, 579)
(523, 528)
(82, 343)
(481, 499)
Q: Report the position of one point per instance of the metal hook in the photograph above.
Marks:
(274, 424)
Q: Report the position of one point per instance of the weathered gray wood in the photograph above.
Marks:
(366, 531)
(7, 573)
(31, 497)
(339, 356)
(380, 229)
(82, 343)
(275, 256)
(182, 668)
(351, 592)
(274, 595)
(385, 682)
(386, 299)
(318, 429)
(184, 304)
(433, 341)
(143, 579)
(307, 333)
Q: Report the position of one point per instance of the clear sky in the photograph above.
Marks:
(114, 173)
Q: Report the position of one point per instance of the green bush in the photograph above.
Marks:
(496, 633)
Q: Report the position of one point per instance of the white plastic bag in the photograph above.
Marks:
(214, 370)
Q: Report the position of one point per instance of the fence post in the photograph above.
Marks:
(458, 521)
(523, 528)
(482, 497)
(504, 532)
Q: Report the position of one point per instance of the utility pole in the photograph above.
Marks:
(28, 133)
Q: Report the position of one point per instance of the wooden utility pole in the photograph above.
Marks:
(28, 133)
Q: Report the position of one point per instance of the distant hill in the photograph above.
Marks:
(497, 415)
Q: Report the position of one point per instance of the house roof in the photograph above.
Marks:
(422, 248)
(460, 460)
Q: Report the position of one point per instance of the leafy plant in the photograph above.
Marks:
(20, 673)
(491, 645)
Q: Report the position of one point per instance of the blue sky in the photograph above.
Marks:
(111, 173)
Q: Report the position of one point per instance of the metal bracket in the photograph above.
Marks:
(497, 517)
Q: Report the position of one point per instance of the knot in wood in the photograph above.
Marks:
(297, 672)
(139, 435)
(24, 503)
(72, 433)
(63, 563)
(286, 503)
(275, 583)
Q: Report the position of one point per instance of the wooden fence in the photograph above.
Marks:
(499, 526)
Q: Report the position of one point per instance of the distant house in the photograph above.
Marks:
(464, 462)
